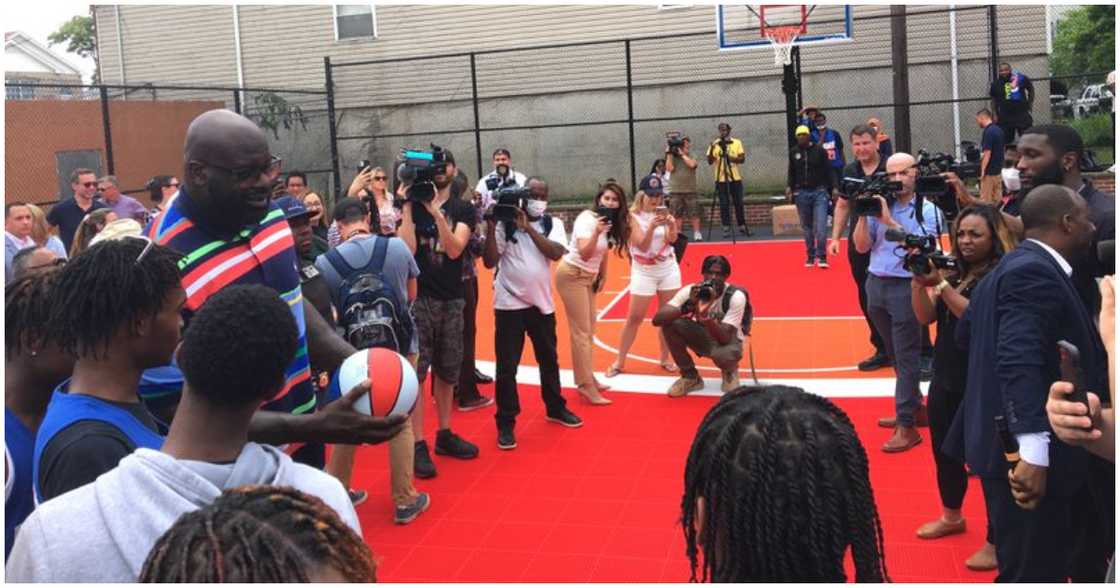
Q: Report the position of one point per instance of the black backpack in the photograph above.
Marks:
(371, 312)
(748, 312)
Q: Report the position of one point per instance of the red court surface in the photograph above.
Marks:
(601, 503)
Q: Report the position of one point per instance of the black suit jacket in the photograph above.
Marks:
(1015, 318)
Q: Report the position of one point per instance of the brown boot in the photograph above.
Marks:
(904, 438)
(940, 528)
(983, 560)
(921, 419)
(684, 385)
(888, 422)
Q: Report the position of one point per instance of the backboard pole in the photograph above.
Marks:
(791, 86)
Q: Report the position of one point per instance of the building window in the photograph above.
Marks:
(13, 92)
(354, 21)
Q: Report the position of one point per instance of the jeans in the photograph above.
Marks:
(511, 326)
(734, 190)
(888, 303)
(812, 207)
(682, 335)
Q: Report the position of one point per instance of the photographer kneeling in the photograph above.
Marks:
(712, 319)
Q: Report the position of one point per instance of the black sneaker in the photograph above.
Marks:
(358, 496)
(877, 361)
(809, 261)
(926, 369)
(475, 403)
(452, 445)
(506, 440)
(422, 465)
(406, 514)
(564, 417)
(481, 378)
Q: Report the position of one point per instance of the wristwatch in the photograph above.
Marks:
(939, 287)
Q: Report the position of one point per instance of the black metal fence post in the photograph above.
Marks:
(477, 129)
(993, 38)
(237, 101)
(331, 127)
(108, 127)
(899, 58)
(630, 121)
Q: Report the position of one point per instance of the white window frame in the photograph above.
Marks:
(372, 16)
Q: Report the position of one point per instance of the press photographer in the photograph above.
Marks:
(711, 318)
(522, 242)
(503, 176)
(888, 293)
(682, 187)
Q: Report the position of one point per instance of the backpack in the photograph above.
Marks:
(371, 312)
(748, 312)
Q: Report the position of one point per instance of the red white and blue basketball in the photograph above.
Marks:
(393, 385)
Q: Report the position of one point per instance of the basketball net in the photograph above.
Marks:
(782, 39)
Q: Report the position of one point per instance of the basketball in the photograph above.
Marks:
(393, 384)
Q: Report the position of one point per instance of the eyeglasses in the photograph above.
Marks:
(271, 171)
(379, 178)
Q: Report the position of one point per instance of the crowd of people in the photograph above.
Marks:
(169, 370)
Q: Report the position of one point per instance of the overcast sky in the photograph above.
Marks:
(39, 19)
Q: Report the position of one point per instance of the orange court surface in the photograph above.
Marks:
(601, 503)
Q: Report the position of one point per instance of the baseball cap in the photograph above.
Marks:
(292, 207)
(350, 208)
(652, 185)
(802, 130)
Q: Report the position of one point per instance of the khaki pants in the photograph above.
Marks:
(991, 189)
(575, 288)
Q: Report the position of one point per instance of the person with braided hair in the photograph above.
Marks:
(33, 367)
(260, 534)
(234, 356)
(777, 490)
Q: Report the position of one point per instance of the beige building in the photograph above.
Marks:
(675, 66)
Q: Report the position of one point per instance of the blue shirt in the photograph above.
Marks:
(19, 501)
(992, 140)
(886, 257)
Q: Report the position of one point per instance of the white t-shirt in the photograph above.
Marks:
(732, 316)
(583, 228)
(657, 247)
(524, 274)
(518, 178)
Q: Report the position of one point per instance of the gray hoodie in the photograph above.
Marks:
(103, 531)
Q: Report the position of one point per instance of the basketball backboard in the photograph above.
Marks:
(750, 26)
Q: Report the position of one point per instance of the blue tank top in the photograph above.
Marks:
(19, 445)
(66, 409)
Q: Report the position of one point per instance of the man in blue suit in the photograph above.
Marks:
(1015, 318)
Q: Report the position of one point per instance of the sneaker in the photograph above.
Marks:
(730, 381)
(506, 440)
(406, 514)
(744, 230)
(696, 236)
(822, 263)
(422, 465)
(357, 496)
(475, 403)
(809, 262)
(452, 445)
(877, 361)
(564, 417)
(684, 385)
(481, 378)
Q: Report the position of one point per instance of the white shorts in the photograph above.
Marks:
(648, 280)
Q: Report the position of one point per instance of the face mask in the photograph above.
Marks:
(1011, 179)
(536, 208)
(821, 126)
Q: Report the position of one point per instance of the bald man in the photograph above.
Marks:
(888, 295)
(230, 232)
(1041, 511)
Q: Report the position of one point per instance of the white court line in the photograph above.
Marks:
(646, 384)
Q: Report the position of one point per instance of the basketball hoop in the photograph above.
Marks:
(782, 39)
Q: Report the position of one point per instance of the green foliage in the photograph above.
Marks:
(1085, 41)
(1095, 130)
(272, 111)
(78, 32)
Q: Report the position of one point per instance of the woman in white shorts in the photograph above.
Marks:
(653, 266)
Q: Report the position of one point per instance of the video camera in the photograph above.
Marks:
(497, 183)
(418, 169)
(507, 200)
(860, 193)
(917, 262)
(930, 184)
(675, 141)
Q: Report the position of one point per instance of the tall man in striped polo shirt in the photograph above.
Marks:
(230, 232)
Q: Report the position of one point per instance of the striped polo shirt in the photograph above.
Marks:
(262, 254)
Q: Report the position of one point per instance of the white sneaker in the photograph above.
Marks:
(696, 236)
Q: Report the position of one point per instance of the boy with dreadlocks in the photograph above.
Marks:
(234, 356)
(33, 367)
(777, 490)
(260, 534)
(115, 309)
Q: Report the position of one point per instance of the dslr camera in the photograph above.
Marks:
(418, 170)
(860, 193)
(706, 291)
(507, 200)
(917, 262)
(674, 140)
(496, 183)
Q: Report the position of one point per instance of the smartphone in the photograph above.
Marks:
(362, 165)
(1069, 362)
(661, 210)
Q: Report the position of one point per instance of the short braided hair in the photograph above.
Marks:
(785, 484)
(27, 306)
(259, 534)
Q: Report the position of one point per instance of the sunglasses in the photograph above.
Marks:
(89, 184)
(379, 178)
(175, 185)
(248, 173)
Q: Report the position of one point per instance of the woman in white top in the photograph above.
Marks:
(374, 183)
(653, 266)
(581, 275)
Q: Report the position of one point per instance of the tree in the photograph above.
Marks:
(1085, 41)
(273, 111)
(78, 33)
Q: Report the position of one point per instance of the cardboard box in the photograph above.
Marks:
(786, 221)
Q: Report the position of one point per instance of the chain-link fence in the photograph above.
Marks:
(581, 112)
(136, 132)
